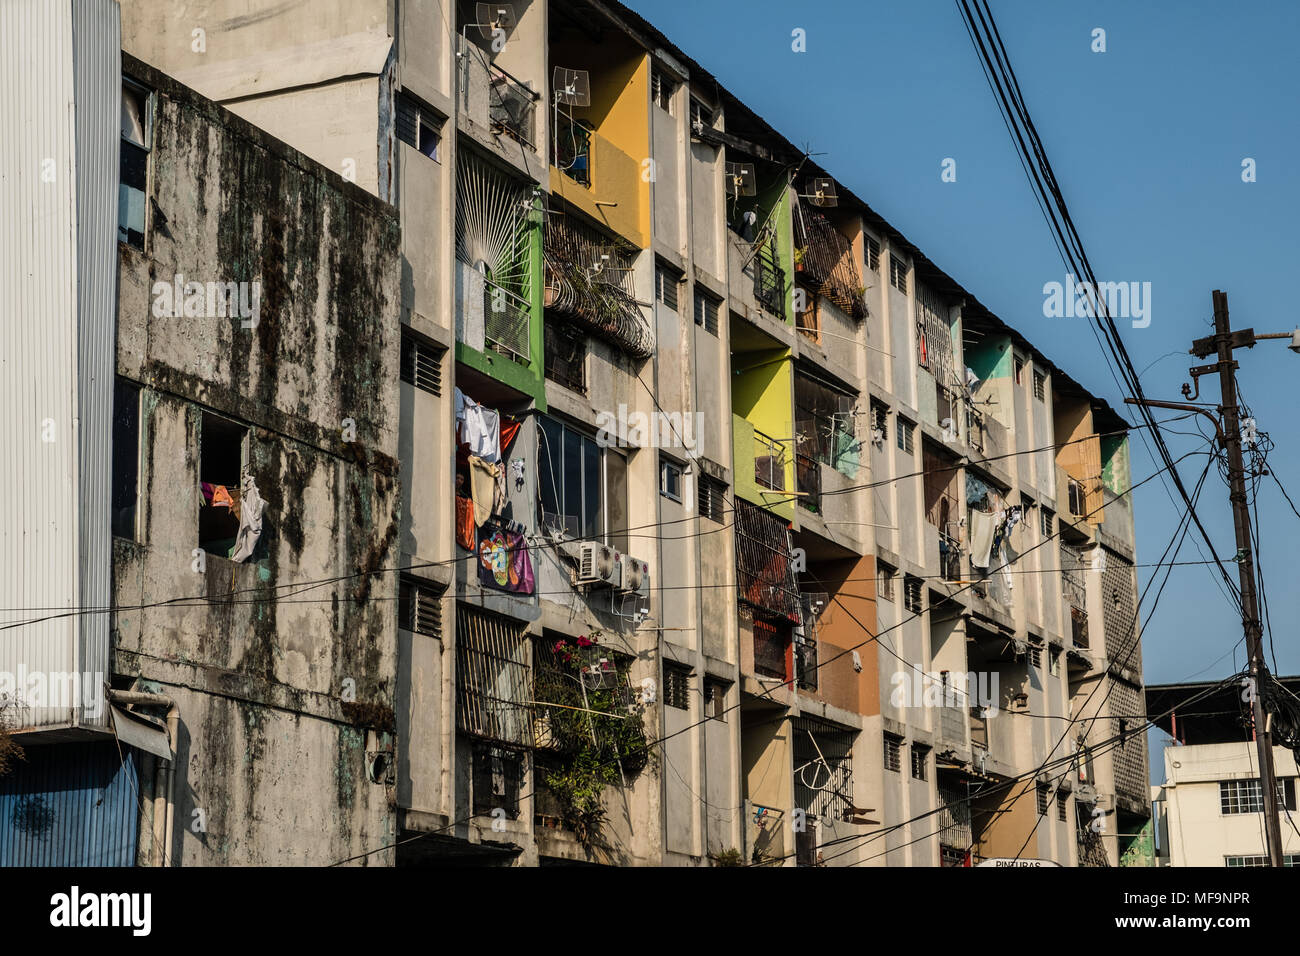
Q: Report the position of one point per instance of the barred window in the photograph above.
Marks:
(872, 251)
(1040, 386)
(893, 753)
(666, 283)
(715, 698)
(885, 584)
(879, 421)
(1246, 796)
(1036, 656)
(677, 682)
(712, 499)
(493, 677)
(1048, 522)
(417, 125)
(1062, 798)
(1044, 797)
(419, 607)
(662, 88)
(920, 756)
(912, 593)
(905, 437)
(421, 363)
(498, 775)
(898, 273)
(706, 312)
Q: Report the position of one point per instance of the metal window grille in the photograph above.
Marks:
(706, 313)
(1119, 613)
(769, 461)
(808, 479)
(1061, 801)
(885, 585)
(1130, 758)
(417, 126)
(771, 648)
(954, 826)
(872, 252)
(826, 262)
(662, 89)
(824, 421)
(715, 698)
(879, 421)
(604, 303)
(677, 681)
(421, 364)
(1044, 797)
(1036, 656)
(419, 607)
(506, 320)
(934, 336)
(666, 285)
(769, 280)
(920, 757)
(905, 437)
(1048, 522)
(712, 498)
(493, 677)
(1020, 370)
(1240, 796)
(765, 562)
(912, 593)
(823, 768)
(898, 273)
(566, 356)
(498, 778)
(805, 662)
(893, 753)
(1040, 386)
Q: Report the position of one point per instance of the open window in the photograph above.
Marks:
(223, 459)
(137, 137)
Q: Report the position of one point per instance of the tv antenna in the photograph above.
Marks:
(572, 87)
(740, 179)
(492, 17)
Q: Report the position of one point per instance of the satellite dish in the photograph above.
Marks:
(572, 87)
(821, 192)
(740, 179)
(494, 16)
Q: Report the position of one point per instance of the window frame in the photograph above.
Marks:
(120, 386)
(905, 437)
(703, 299)
(893, 753)
(146, 149)
(666, 467)
(920, 759)
(605, 534)
(871, 252)
(663, 272)
(898, 270)
(677, 685)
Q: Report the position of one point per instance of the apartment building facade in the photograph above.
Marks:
(732, 529)
(1208, 809)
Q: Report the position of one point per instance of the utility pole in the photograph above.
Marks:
(1222, 343)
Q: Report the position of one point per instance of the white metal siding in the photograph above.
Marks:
(53, 329)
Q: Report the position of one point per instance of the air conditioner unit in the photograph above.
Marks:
(599, 564)
(636, 576)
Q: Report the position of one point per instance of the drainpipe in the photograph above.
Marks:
(164, 803)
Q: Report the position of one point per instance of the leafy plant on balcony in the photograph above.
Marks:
(596, 723)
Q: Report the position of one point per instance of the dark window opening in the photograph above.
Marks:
(421, 364)
(920, 757)
(221, 466)
(712, 499)
(670, 480)
(772, 648)
(418, 126)
(566, 355)
(893, 753)
(715, 698)
(126, 458)
(706, 313)
(498, 777)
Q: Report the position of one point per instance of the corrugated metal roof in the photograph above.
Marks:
(70, 805)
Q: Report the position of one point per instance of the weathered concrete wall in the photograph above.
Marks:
(283, 666)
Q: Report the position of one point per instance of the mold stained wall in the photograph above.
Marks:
(270, 747)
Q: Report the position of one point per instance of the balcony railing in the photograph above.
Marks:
(769, 462)
(808, 476)
(573, 149)
(952, 720)
(506, 322)
(949, 556)
(511, 106)
(769, 280)
(954, 819)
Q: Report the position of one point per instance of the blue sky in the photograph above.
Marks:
(1147, 140)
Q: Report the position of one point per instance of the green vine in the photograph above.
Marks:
(591, 718)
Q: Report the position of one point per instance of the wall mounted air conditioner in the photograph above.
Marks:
(636, 576)
(599, 564)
